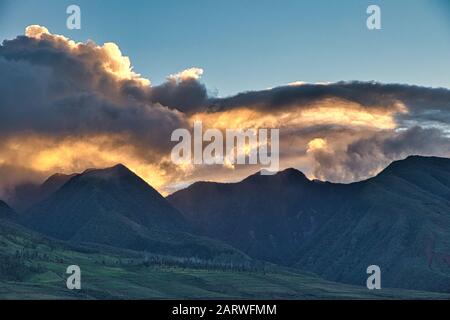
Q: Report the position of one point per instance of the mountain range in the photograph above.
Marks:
(115, 207)
(398, 220)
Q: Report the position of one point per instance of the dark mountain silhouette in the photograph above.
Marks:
(5, 211)
(399, 220)
(26, 195)
(268, 217)
(53, 183)
(115, 207)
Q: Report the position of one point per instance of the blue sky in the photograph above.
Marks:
(246, 45)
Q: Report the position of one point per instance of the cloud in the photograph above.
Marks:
(366, 157)
(186, 75)
(66, 106)
(366, 94)
(182, 92)
(107, 58)
(316, 144)
(54, 91)
(51, 85)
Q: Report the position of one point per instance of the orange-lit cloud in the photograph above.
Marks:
(316, 144)
(111, 58)
(66, 106)
(188, 74)
(325, 112)
(46, 156)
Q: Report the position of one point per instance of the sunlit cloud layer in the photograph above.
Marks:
(67, 106)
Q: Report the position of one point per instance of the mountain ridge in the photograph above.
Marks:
(399, 219)
(113, 206)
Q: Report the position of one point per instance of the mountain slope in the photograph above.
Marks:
(399, 220)
(115, 207)
(26, 195)
(53, 183)
(268, 217)
(5, 211)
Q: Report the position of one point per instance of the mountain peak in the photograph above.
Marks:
(416, 163)
(117, 171)
(289, 173)
(110, 206)
(120, 166)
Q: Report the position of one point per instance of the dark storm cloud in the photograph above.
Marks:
(49, 88)
(72, 72)
(188, 95)
(367, 94)
(81, 68)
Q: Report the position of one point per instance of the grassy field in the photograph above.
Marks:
(100, 282)
(34, 267)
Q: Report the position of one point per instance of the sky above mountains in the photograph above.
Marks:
(253, 45)
(67, 105)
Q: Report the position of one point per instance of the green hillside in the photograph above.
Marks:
(33, 267)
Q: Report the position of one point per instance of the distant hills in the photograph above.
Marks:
(115, 207)
(399, 220)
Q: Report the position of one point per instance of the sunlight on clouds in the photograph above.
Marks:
(113, 61)
(297, 83)
(316, 144)
(121, 118)
(120, 65)
(326, 112)
(76, 154)
(35, 31)
(236, 119)
(188, 74)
